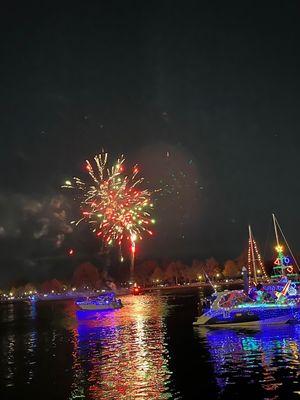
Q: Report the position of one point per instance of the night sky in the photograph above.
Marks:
(205, 96)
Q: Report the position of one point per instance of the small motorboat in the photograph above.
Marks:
(103, 302)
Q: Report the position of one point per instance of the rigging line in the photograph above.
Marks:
(251, 239)
(287, 244)
(267, 241)
(207, 277)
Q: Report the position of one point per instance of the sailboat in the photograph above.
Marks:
(256, 305)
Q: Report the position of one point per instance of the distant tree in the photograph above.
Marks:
(29, 287)
(174, 271)
(212, 267)
(197, 265)
(145, 270)
(198, 268)
(13, 291)
(86, 274)
(45, 287)
(56, 285)
(65, 286)
(231, 269)
(242, 260)
(188, 273)
(218, 272)
(164, 263)
(52, 285)
(157, 274)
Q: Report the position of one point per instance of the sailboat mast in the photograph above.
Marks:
(275, 229)
(252, 255)
(278, 247)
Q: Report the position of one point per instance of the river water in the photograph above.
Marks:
(147, 350)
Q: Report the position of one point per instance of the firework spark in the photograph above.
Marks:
(112, 202)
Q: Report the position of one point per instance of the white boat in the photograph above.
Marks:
(235, 308)
(103, 302)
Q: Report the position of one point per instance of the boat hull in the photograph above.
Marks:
(98, 307)
(253, 317)
(270, 321)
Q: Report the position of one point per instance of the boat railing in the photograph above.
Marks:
(211, 312)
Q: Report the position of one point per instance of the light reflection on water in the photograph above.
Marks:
(267, 358)
(123, 351)
(146, 350)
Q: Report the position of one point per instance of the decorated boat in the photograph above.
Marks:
(103, 302)
(263, 301)
(258, 307)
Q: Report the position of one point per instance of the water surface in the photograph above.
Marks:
(146, 350)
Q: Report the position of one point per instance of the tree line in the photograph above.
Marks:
(147, 273)
(176, 272)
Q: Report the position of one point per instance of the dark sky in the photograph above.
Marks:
(203, 94)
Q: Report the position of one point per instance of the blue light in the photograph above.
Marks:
(255, 349)
(93, 326)
(86, 315)
(104, 298)
(259, 312)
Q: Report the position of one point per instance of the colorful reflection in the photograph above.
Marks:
(11, 342)
(122, 354)
(267, 359)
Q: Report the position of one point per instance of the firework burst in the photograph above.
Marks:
(113, 203)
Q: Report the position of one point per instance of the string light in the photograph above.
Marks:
(257, 258)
